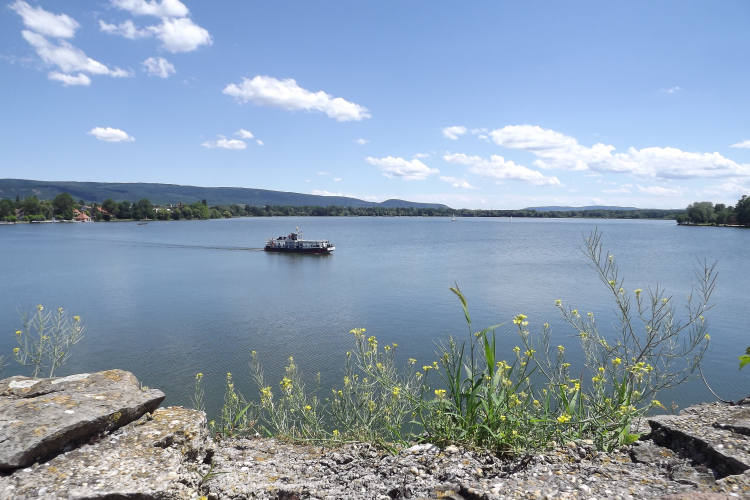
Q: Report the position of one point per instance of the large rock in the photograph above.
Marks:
(154, 458)
(40, 417)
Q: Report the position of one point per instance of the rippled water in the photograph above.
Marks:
(169, 299)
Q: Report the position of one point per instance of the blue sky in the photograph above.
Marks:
(478, 104)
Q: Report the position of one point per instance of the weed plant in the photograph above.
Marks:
(45, 340)
(472, 395)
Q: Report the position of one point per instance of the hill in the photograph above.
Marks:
(162, 194)
(571, 209)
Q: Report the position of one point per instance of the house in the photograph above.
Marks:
(82, 218)
(76, 212)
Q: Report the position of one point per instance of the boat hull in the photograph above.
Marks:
(300, 250)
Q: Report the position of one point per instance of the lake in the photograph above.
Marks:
(170, 299)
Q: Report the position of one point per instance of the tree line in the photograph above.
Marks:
(705, 212)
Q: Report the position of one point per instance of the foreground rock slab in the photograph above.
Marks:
(153, 458)
(40, 417)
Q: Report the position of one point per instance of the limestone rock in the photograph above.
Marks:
(39, 417)
(155, 457)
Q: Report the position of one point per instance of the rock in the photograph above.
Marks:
(423, 448)
(38, 417)
(451, 449)
(155, 457)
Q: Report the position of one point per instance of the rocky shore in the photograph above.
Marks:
(100, 436)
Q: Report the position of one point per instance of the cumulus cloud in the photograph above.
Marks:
(79, 79)
(165, 8)
(110, 134)
(260, 143)
(286, 94)
(422, 155)
(555, 150)
(730, 188)
(244, 134)
(743, 144)
(68, 58)
(225, 144)
(361, 142)
(405, 169)
(661, 191)
(158, 66)
(498, 168)
(612, 191)
(459, 183)
(454, 132)
(45, 23)
(125, 29)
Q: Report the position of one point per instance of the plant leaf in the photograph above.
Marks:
(463, 303)
(743, 361)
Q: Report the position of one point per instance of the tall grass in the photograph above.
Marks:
(472, 394)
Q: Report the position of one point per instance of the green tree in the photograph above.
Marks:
(110, 206)
(63, 203)
(123, 210)
(701, 212)
(201, 211)
(7, 208)
(143, 210)
(742, 211)
(31, 206)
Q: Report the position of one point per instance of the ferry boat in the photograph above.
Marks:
(294, 243)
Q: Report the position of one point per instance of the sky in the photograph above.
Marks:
(483, 104)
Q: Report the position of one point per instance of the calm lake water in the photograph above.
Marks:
(169, 299)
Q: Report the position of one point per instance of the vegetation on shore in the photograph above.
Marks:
(707, 214)
(64, 207)
(529, 398)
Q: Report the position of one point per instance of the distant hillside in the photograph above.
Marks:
(571, 209)
(162, 194)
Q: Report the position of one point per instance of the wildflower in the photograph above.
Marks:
(601, 369)
(380, 366)
(574, 312)
(611, 283)
(335, 433)
(373, 342)
(503, 418)
(657, 403)
(565, 365)
(519, 319)
(371, 405)
(546, 325)
(396, 391)
(516, 350)
(286, 384)
(616, 362)
(707, 337)
(702, 319)
(76, 318)
(515, 433)
(590, 315)
(18, 332)
(357, 331)
(440, 393)
(308, 407)
(40, 308)
(347, 381)
(199, 376)
(412, 361)
(638, 292)
(395, 345)
(596, 379)
(611, 258)
(536, 403)
(419, 374)
(621, 290)
(387, 348)
(426, 368)
(558, 302)
(664, 300)
(340, 394)
(16, 350)
(560, 349)
(529, 353)
(563, 418)
(60, 310)
(434, 365)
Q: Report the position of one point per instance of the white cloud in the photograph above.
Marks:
(454, 132)
(398, 167)
(476, 131)
(244, 134)
(181, 35)
(177, 35)
(165, 8)
(286, 94)
(727, 189)
(126, 29)
(324, 173)
(671, 90)
(110, 134)
(421, 155)
(79, 79)
(361, 142)
(459, 183)
(68, 58)
(612, 191)
(661, 191)
(325, 193)
(743, 144)
(597, 201)
(482, 136)
(260, 143)
(225, 144)
(45, 23)
(337, 179)
(158, 66)
(555, 150)
(497, 168)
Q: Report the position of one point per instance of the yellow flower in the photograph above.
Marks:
(16, 350)
(371, 405)
(638, 292)
(560, 349)
(707, 337)
(529, 353)
(76, 318)
(426, 368)
(565, 365)
(286, 384)
(60, 310)
(590, 315)
(18, 332)
(440, 393)
(574, 312)
(308, 407)
(519, 319)
(516, 349)
(546, 325)
(503, 418)
(335, 432)
(396, 391)
(412, 361)
(40, 308)
(558, 302)
(563, 418)
(199, 376)
(536, 403)
(616, 361)
(395, 345)
(611, 283)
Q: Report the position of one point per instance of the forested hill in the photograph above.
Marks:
(578, 209)
(164, 194)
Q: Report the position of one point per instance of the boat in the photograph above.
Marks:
(143, 223)
(453, 219)
(294, 243)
